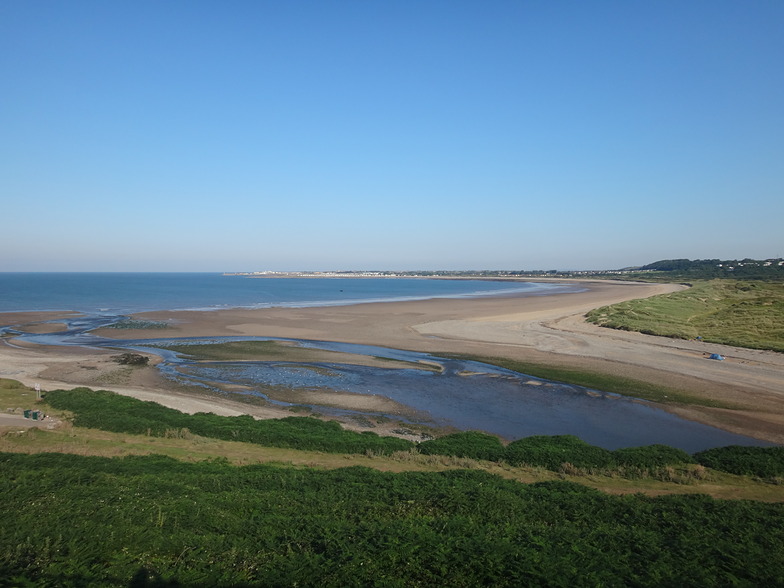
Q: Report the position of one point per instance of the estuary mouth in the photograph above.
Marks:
(340, 379)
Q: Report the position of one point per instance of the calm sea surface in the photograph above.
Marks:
(123, 293)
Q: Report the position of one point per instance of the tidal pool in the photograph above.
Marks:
(463, 394)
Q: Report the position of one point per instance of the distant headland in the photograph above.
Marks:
(668, 269)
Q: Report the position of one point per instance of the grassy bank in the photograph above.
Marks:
(182, 509)
(121, 414)
(304, 441)
(730, 312)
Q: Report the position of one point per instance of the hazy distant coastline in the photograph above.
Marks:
(771, 268)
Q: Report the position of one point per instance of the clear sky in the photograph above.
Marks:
(309, 135)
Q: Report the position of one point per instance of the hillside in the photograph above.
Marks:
(741, 313)
(707, 269)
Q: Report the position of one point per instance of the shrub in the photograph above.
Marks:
(650, 456)
(765, 462)
(552, 451)
(471, 444)
(131, 359)
(112, 412)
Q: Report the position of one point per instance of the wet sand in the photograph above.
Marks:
(543, 329)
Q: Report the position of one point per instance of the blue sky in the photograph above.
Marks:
(230, 136)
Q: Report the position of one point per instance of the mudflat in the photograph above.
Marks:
(546, 329)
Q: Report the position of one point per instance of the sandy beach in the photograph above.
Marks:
(544, 329)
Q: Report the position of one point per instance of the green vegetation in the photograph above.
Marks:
(234, 350)
(131, 359)
(744, 314)
(466, 444)
(76, 520)
(708, 269)
(282, 351)
(552, 452)
(16, 397)
(666, 270)
(182, 444)
(112, 412)
(650, 456)
(764, 462)
(12, 391)
(154, 521)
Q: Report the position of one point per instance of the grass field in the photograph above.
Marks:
(730, 312)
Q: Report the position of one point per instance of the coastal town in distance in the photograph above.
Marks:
(672, 268)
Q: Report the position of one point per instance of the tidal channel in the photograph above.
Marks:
(441, 392)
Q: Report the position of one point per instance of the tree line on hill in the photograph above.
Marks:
(744, 269)
(747, 269)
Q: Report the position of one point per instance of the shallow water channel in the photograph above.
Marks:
(438, 391)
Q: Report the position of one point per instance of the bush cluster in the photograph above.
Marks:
(131, 359)
(551, 452)
(121, 414)
(764, 462)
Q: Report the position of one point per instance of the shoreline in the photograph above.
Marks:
(8, 317)
(547, 329)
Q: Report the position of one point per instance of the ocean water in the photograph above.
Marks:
(124, 293)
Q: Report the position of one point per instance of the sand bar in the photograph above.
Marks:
(544, 329)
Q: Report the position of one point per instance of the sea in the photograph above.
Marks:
(125, 293)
